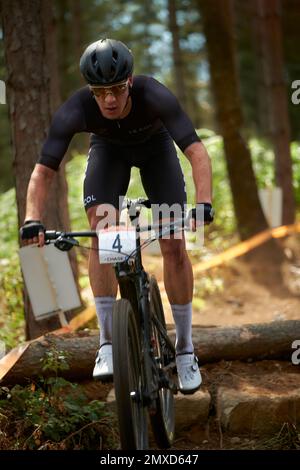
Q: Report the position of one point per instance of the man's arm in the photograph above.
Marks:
(67, 121)
(38, 189)
(166, 106)
(199, 159)
(37, 192)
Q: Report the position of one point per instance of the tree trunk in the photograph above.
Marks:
(178, 65)
(254, 341)
(149, 15)
(218, 27)
(60, 186)
(66, 55)
(77, 28)
(267, 27)
(33, 95)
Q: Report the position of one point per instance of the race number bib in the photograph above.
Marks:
(115, 244)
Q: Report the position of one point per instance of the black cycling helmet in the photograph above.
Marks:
(106, 62)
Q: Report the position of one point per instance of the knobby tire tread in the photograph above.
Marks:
(126, 354)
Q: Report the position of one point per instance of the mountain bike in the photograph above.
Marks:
(144, 364)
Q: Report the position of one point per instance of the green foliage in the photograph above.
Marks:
(295, 149)
(207, 284)
(6, 177)
(75, 170)
(263, 163)
(224, 225)
(55, 361)
(11, 301)
(53, 413)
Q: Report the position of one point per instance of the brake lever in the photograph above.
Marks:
(65, 243)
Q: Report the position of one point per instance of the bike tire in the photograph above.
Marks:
(163, 421)
(128, 378)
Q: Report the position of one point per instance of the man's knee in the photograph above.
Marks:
(173, 249)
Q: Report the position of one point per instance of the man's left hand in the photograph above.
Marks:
(202, 214)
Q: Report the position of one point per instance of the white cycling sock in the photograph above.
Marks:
(104, 306)
(182, 315)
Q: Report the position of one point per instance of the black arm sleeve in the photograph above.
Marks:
(168, 109)
(67, 121)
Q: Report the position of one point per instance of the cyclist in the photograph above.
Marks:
(133, 121)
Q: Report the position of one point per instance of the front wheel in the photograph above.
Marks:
(163, 421)
(128, 378)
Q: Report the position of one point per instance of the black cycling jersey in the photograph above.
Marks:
(154, 110)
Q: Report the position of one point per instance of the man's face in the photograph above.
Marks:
(112, 100)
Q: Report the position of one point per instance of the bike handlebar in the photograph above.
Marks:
(65, 240)
(178, 224)
(53, 235)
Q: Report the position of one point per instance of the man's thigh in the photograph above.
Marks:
(163, 179)
(107, 176)
(102, 216)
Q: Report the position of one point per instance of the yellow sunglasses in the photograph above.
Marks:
(116, 90)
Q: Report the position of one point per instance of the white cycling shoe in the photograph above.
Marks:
(103, 369)
(189, 377)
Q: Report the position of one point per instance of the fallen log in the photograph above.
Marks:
(257, 341)
(247, 342)
(80, 349)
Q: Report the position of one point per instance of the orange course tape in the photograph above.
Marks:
(246, 246)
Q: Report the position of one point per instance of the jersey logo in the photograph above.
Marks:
(89, 199)
(139, 129)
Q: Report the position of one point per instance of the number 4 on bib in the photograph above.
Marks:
(115, 244)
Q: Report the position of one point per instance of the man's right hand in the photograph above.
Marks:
(32, 231)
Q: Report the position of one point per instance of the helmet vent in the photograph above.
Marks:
(94, 59)
(115, 56)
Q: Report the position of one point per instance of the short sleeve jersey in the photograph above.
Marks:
(154, 109)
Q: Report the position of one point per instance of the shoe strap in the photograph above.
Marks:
(105, 344)
(184, 354)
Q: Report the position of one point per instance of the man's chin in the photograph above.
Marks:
(111, 114)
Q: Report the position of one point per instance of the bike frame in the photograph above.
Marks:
(134, 285)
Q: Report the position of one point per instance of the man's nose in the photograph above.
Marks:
(109, 97)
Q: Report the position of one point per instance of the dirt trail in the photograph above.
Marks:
(236, 298)
(233, 297)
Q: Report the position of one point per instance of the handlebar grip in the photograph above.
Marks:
(51, 235)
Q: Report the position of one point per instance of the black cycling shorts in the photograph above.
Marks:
(108, 171)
